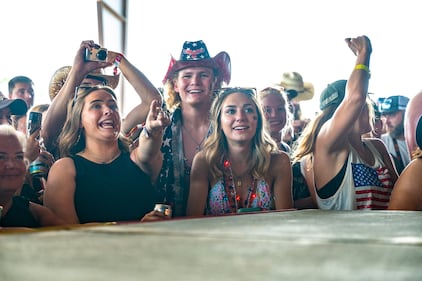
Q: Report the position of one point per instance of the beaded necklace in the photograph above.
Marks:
(231, 192)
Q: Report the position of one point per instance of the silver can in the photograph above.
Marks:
(164, 209)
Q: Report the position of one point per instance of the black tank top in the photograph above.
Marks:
(19, 214)
(118, 191)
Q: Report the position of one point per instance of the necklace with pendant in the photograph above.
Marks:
(198, 144)
(233, 188)
(239, 182)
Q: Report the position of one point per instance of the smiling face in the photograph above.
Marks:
(239, 117)
(195, 84)
(274, 107)
(100, 117)
(12, 165)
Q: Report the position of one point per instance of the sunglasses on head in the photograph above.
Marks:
(79, 90)
(85, 88)
(230, 90)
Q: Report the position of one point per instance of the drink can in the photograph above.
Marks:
(164, 209)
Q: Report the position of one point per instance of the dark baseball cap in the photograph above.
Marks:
(333, 94)
(393, 104)
(16, 106)
(376, 108)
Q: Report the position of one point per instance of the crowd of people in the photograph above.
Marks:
(201, 148)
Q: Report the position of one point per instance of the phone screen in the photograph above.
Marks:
(34, 122)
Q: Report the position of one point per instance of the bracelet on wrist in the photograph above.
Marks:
(134, 133)
(116, 63)
(146, 132)
(363, 67)
(149, 133)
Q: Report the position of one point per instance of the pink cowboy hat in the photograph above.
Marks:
(195, 54)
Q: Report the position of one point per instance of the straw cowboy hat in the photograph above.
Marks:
(195, 54)
(297, 90)
(60, 76)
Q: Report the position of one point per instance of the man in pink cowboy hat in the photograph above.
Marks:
(189, 87)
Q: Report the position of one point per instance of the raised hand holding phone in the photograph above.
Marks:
(34, 122)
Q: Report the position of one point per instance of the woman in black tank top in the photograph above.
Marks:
(99, 178)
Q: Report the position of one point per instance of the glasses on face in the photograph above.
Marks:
(230, 90)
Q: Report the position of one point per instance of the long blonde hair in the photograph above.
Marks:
(216, 146)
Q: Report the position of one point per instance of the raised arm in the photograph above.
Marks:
(147, 154)
(349, 120)
(57, 111)
(336, 130)
(144, 88)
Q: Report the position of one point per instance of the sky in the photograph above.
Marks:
(264, 39)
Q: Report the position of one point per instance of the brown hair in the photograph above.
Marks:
(72, 138)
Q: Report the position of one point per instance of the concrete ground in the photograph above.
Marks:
(289, 245)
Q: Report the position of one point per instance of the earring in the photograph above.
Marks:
(79, 137)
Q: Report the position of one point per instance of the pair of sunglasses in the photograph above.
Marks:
(229, 90)
(79, 90)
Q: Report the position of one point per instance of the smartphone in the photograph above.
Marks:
(34, 122)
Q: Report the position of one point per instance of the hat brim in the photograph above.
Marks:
(110, 80)
(179, 65)
(16, 106)
(306, 93)
(57, 81)
(59, 78)
(220, 63)
(389, 111)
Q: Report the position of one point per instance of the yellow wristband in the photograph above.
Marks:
(363, 67)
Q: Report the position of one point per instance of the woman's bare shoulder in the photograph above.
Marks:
(63, 162)
(63, 166)
(280, 159)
